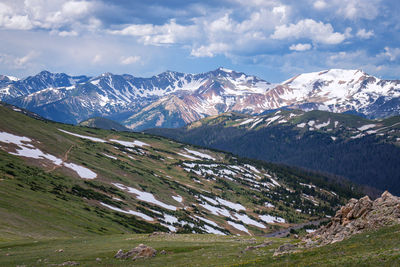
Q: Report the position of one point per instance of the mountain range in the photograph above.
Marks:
(173, 99)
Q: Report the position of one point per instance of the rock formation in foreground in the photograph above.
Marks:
(356, 217)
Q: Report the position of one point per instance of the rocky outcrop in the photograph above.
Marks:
(141, 251)
(356, 217)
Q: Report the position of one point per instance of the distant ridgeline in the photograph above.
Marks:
(173, 99)
(364, 151)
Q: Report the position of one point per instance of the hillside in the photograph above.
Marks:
(103, 123)
(364, 151)
(84, 181)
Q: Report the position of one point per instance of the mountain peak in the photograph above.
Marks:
(224, 70)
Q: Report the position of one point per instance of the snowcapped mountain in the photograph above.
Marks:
(173, 99)
(340, 91)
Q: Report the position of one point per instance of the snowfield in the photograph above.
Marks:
(144, 196)
(130, 144)
(136, 213)
(29, 151)
(94, 139)
(239, 227)
(83, 172)
(273, 219)
(199, 154)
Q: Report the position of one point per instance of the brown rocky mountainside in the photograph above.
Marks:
(358, 216)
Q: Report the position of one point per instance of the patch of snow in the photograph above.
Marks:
(311, 123)
(136, 213)
(178, 198)
(130, 144)
(246, 121)
(206, 221)
(94, 139)
(109, 156)
(357, 136)
(333, 138)
(83, 172)
(199, 154)
(247, 220)
(212, 201)
(238, 227)
(216, 211)
(14, 139)
(366, 127)
(170, 227)
(144, 196)
(310, 230)
(211, 230)
(254, 169)
(301, 125)
(324, 124)
(188, 156)
(230, 204)
(273, 219)
(272, 119)
(36, 153)
(170, 219)
(274, 181)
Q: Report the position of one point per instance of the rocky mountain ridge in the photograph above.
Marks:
(173, 99)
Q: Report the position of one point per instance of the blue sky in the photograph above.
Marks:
(273, 39)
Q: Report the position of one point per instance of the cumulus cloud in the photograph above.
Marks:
(168, 33)
(391, 53)
(45, 14)
(364, 34)
(300, 47)
(9, 19)
(129, 60)
(320, 4)
(18, 62)
(311, 29)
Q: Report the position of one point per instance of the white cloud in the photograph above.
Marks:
(150, 34)
(308, 28)
(364, 34)
(9, 19)
(300, 47)
(21, 62)
(67, 33)
(46, 14)
(391, 53)
(18, 62)
(357, 9)
(129, 60)
(210, 50)
(320, 4)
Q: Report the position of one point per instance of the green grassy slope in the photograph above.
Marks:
(379, 248)
(176, 182)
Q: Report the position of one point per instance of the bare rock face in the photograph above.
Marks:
(358, 216)
(141, 251)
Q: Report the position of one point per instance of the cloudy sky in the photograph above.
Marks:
(273, 39)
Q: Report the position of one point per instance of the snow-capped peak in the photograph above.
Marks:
(225, 70)
(12, 78)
